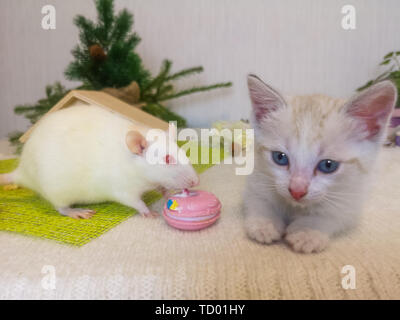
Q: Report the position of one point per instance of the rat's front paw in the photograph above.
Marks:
(307, 241)
(150, 214)
(263, 230)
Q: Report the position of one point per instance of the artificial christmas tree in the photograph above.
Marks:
(105, 56)
(105, 60)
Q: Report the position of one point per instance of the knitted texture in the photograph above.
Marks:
(23, 211)
(145, 258)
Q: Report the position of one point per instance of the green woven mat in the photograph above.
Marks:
(23, 211)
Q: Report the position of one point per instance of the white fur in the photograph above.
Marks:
(308, 129)
(78, 155)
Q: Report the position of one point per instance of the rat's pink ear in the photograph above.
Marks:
(372, 108)
(136, 142)
(264, 99)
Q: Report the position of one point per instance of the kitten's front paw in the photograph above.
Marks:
(263, 230)
(307, 241)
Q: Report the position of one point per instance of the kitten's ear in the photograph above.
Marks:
(263, 98)
(372, 108)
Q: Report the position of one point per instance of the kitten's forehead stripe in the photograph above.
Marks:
(312, 111)
(357, 162)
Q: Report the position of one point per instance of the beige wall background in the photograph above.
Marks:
(297, 46)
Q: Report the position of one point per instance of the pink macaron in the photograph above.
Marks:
(192, 210)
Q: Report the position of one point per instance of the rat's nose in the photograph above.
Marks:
(297, 194)
(195, 182)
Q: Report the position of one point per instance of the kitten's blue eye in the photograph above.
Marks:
(280, 158)
(328, 166)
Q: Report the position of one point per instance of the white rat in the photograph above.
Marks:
(86, 154)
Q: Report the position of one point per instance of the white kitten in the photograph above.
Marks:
(313, 157)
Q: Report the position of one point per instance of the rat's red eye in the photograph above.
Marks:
(169, 159)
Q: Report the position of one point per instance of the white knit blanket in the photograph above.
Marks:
(146, 259)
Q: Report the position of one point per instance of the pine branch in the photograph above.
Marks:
(34, 112)
(159, 79)
(185, 73)
(123, 23)
(195, 90)
(165, 89)
(86, 30)
(131, 41)
(105, 15)
(166, 67)
(160, 111)
(13, 138)
(159, 88)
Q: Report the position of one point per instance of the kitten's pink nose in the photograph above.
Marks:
(298, 187)
(297, 194)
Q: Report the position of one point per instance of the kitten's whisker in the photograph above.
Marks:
(333, 197)
(335, 204)
(342, 198)
(344, 193)
(331, 205)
